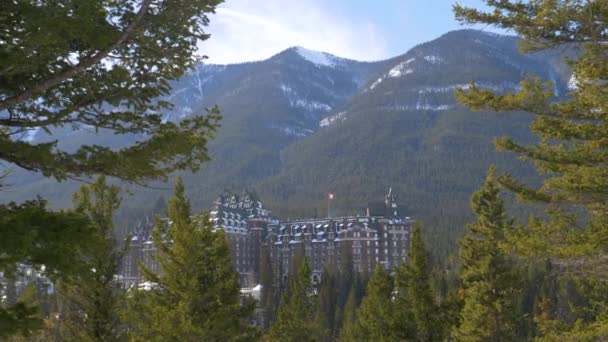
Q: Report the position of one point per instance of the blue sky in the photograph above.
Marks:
(246, 30)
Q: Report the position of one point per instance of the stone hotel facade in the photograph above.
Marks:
(378, 237)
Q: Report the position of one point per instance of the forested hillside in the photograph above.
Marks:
(305, 123)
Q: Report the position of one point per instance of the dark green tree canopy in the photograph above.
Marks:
(572, 148)
(572, 151)
(196, 296)
(487, 272)
(91, 307)
(106, 65)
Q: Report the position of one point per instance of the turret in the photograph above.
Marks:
(391, 203)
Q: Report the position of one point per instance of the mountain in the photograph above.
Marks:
(404, 129)
(304, 123)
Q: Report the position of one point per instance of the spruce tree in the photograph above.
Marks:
(269, 300)
(487, 272)
(404, 323)
(34, 235)
(196, 296)
(571, 152)
(347, 332)
(90, 65)
(326, 309)
(346, 279)
(295, 320)
(92, 306)
(375, 314)
(23, 318)
(419, 291)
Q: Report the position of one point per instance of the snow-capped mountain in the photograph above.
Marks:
(303, 123)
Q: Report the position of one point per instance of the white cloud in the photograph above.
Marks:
(247, 30)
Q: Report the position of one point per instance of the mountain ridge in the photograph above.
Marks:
(295, 128)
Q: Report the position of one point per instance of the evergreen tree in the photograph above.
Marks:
(197, 294)
(487, 272)
(91, 65)
(23, 318)
(347, 332)
(92, 305)
(346, 279)
(571, 151)
(295, 320)
(299, 256)
(101, 64)
(404, 323)
(269, 291)
(33, 296)
(419, 290)
(375, 314)
(326, 309)
(57, 240)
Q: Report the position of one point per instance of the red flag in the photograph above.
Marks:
(331, 196)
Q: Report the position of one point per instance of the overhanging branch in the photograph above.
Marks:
(82, 66)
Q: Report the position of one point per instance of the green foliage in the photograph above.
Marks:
(326, 308)
(90, 55)
(419, 290)
(21, 318)
(100, 65)
(487, 272)
(34, 235)
(571, 152)
(295, 320)
(269, 291)
(404, 323)
(374, 316)
(92, 307)
(197, 294)
(347, 332)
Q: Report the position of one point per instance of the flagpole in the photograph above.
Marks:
(328, 215)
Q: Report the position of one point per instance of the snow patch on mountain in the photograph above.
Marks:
(401, 69)
(498, 87)
(299, 102)
(332, 119)
(398, 70)
(418, 107)
(287, 90)
(433, 59)
(375, 84)
(311, 106)
(317, 58)
(293, 131)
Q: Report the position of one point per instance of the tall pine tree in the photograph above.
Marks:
(92, 306)
(487, 272)
(347, 332)
(375, 314)
(573, 131)
(419, 290)
(269, 300)
(326, 309)
(196, 297)
(404, 323)
(90, 65)
(296, 316)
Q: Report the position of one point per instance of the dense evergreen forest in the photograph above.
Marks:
(540, 279)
